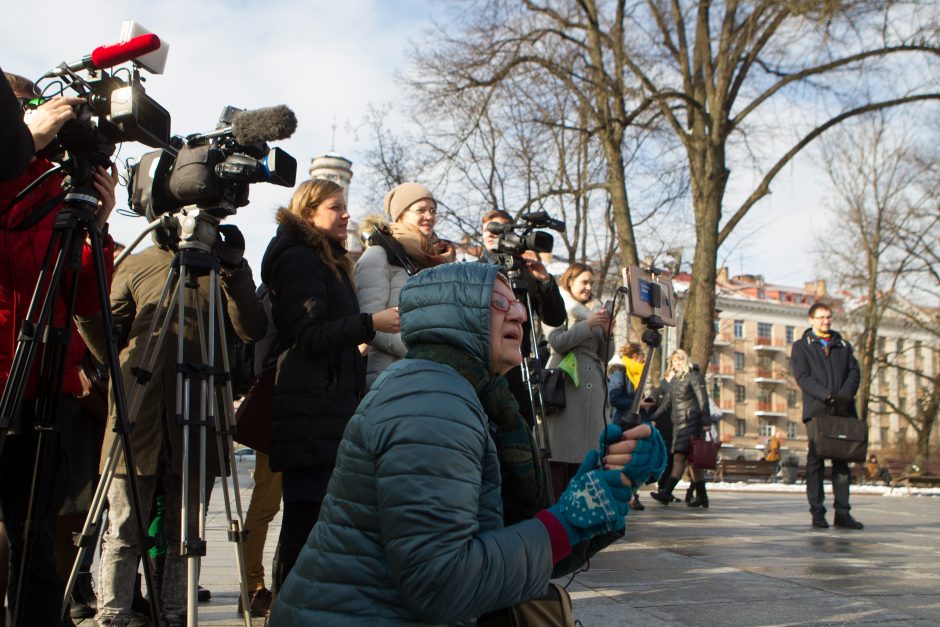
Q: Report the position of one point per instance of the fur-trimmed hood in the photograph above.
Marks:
(294, 231)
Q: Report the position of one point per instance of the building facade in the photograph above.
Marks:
(749, 378)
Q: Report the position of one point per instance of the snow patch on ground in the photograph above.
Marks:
(756, 486)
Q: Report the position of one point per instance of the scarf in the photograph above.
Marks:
(523, 482)
(425, 251)
(634, 370)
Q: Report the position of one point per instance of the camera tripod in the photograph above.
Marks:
(197, 381)
(74, 222)
(532, 378)
(653, 339)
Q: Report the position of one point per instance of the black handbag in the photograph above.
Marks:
(839, 438)
(553, 390)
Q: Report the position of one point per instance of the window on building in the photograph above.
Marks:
(918, 346)
(764, 395)
(902, 404)
(885, 436)
(765, 428)
(740, 394)
(739, 328)
(765, 363)
(790, 331)
(882, 375)
(881, 345)
(716, 358)
(791, 429)
(764, 329)
(899, 346)
(739, 361)
(716, 390)
(740, 427)
(792, 398)
(716, 324)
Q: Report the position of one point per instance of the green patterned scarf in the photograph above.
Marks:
(523, 489)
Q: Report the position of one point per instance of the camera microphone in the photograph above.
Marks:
(260, 126)
(113, 54)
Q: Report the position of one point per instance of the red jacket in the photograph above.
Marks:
(21, 257)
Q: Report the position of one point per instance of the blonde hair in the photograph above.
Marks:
(686, 367)
(303, 204)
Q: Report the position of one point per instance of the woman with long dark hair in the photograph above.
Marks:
(686, 402)
(321, 375)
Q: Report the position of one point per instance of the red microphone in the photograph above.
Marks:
(113, 54)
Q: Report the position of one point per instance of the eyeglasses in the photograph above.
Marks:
(501, 303)
(424, 211)
(822, 317)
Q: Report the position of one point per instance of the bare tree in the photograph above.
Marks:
(880, 247)
(719, 71)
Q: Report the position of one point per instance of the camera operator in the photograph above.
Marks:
(546, 299)
(157, 436)
(26, 229)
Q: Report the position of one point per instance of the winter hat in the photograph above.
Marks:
(403, 196)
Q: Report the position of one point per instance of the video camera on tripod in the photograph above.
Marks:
(517, 237)
(213, 170)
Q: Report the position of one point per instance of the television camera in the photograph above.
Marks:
(517, 237)
(212, 171)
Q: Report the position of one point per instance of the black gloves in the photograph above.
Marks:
(230, 246)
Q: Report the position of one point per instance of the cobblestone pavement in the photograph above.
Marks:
(750, 559)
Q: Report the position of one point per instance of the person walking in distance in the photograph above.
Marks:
(828, 375)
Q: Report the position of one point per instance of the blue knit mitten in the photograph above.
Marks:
(595, 502)
(648, 459)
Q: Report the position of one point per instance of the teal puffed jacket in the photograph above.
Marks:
(411, 529)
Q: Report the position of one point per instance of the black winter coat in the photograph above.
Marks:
(822, 374)
(686, 403)
(321, 376)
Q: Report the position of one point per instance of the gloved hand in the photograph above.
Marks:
(595, 500)
(647, 460)
(230, 246)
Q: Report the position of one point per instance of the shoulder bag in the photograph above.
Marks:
(703, 451)
(839, 438)
(553, 390)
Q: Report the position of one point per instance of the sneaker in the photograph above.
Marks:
(819, 521)
(845, 521)
(259, 603)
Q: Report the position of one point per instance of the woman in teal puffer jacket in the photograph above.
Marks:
(411, 530)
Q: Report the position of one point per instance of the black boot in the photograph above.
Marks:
(84, 601)
(690, 492)
(664, 495)
(701, 497)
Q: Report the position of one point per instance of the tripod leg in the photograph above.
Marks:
(224, 428)
(123, 429)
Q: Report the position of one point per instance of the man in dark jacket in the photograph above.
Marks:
(543, 292)
(827, 372)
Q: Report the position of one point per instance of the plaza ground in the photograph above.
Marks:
(750, 559)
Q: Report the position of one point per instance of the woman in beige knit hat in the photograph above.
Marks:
(405, 246)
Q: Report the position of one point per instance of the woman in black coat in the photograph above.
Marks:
(321, 376)
(686, 403)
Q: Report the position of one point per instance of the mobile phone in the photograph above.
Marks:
(609, 306)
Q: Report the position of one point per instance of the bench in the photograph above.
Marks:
(856, 473)
(925, 475)
(746, 468)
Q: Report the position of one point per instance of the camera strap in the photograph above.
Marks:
(393, 250)
(38, 214)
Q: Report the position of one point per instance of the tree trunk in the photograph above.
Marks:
(709, 178)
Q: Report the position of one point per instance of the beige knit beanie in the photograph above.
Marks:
(403, 196)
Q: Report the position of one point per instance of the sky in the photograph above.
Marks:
(328, 61)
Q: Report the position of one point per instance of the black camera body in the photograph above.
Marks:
(114, 111)
(517, 237)
(213, 171)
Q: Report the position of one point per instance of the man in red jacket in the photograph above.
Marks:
(26, 229)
